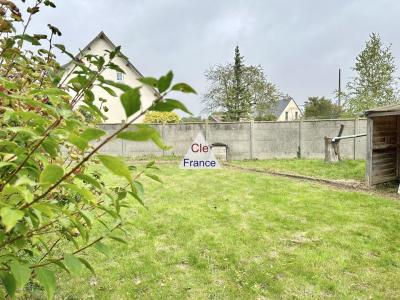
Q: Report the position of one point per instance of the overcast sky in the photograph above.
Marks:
(301, 44)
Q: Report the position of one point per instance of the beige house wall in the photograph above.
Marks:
(116, 112)
(291, 109)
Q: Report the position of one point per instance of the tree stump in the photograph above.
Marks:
(331, 155)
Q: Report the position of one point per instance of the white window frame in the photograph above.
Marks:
(120, 76)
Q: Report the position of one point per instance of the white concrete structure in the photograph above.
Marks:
(286, 110)
(115, 113)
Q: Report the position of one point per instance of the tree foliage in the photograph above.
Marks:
(239, 91)
(159, 117)
(375, 83)
(51, 196)
(321, 108)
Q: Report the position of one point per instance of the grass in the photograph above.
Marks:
(344, 170)
(234, 235)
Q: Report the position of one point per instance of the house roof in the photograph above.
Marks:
(394, 108)
(104, 37)
(281, 105)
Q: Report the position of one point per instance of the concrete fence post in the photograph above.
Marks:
(300, 150)
(251, 139)
(206, 129)
(122, 147)
(355, 131)
(163, 137)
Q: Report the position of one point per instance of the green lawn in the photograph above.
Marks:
(346, 169)
(233, 235)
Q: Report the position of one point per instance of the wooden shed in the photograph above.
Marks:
(383, 142)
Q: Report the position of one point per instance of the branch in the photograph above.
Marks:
(87, 157)
(77, 251)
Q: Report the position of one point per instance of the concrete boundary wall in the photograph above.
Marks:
(250, 140)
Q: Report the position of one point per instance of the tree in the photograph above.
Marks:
(154, 117)
(321, 108)
(375, 83)
(54, 204)
(239, 91)
(240, 106)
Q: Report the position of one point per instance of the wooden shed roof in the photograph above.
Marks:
(388, 110)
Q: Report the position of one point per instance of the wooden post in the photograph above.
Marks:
(331, 155)
(370, 132)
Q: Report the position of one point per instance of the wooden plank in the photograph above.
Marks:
(385, 153)
(383, 179)
(388, 147)
(386, 160)
(385, 173)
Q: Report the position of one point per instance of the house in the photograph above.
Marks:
(286, 110)
(115, 112)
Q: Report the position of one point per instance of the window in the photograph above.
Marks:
(287, 116)
(120, 76)
(296, 115)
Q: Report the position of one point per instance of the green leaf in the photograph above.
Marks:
(184, 88)
(139, 188)
(50, 92)
(143, 133)
(51, 147)
(90, 180)
(109, 90)
(116, 165)
(151, 81)
(154, 177)
(150, 164)
(73, 264)
(135, 195)
(90, 134)
(28, 38)
(84, 193)
(165, 82)
(10, 217)
(78, 141)
(9, 283)
(169, 105)
(50, 175)
(103, 248)
(21, 273)
(131, 101)
(120, 86)
(89, 96)
(115, 67)
(87, 265)
(47, 279)
(156, 138)
(117, 238)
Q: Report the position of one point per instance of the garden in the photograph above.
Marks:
(226, 234)
(77, 222)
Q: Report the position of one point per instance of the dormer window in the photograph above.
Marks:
(120, 76)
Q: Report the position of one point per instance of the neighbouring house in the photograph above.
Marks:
(286, 110)
(115, 112)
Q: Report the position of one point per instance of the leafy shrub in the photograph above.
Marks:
(50, 200)
(159, 117)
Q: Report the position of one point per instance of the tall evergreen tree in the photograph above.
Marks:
(375, 83)
(241, 99)
(239, 91)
